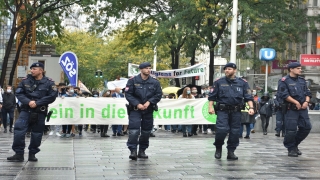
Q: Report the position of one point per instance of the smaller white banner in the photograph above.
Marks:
(195, 70)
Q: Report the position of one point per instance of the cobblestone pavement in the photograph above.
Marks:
(171, 156)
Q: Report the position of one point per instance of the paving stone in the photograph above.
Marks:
(171, 156)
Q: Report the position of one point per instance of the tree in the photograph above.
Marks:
(48, 11)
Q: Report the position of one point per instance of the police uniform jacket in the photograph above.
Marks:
(230, 92)
(42, 91)
(294, 87)
(139, 91)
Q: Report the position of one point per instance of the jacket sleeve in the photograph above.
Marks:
(130, 93)
(157, 94)
(283, 90)
(50, 96)
(214, 90)
(247, 92)
(21, 93)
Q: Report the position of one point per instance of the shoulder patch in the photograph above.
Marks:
(244, 80)
(217, 79)
(24, 78)
(131, 77)
(283, 79)
(50, 79)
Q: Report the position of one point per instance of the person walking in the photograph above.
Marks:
(265, 111)
(35, 92)
(143, 93)
(294, 91)
(228, 93)
(280, 121)
(8, 106)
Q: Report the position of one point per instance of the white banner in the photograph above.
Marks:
(111, 85)
(195, 70)
(72, 110)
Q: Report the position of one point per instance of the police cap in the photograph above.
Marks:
(232, 65)
(294, 65)
(37, 64)
(144, 65)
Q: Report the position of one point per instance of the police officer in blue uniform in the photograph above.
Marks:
(294, 91)
(229, 93)
(280, 121)
(35, 92)
(143, 93)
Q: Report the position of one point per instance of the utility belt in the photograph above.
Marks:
(151, 107)
(278, 108)
(38, 109)
(292, 107)
(230, 108)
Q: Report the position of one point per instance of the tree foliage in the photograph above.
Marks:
(48, 12)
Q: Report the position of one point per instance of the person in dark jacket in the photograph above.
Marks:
(265, 111)
(8, 106)
(143, 93)
(35, 92)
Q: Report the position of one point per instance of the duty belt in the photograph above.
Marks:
(225, 107)
(38, 109)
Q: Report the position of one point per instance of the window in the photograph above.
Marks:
(315, 3)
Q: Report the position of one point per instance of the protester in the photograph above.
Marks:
(186, 95)
(7, 107)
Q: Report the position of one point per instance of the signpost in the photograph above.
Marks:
(267, 54)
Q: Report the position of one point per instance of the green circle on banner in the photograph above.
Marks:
(205, 112)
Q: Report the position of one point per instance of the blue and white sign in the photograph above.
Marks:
(69, 63)
(267, 54)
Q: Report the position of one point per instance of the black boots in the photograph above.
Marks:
(133, 154)
(217, 155)
(32, 157)
(292, 153)
(5, 130)
(231, 156)
(277, 134)
(298, 151)
(142, 154)
(16, 158)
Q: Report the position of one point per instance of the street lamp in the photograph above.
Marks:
(234, 30)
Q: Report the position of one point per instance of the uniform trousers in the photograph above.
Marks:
(228, 122)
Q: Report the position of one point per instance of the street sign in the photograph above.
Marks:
(310, 59)
(267, 54)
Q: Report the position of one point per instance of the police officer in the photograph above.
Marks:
(143, 93)
(229, 92)
(35, 92)
(293, 90)
(280, 122)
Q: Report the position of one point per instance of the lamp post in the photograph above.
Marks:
(234, 30)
